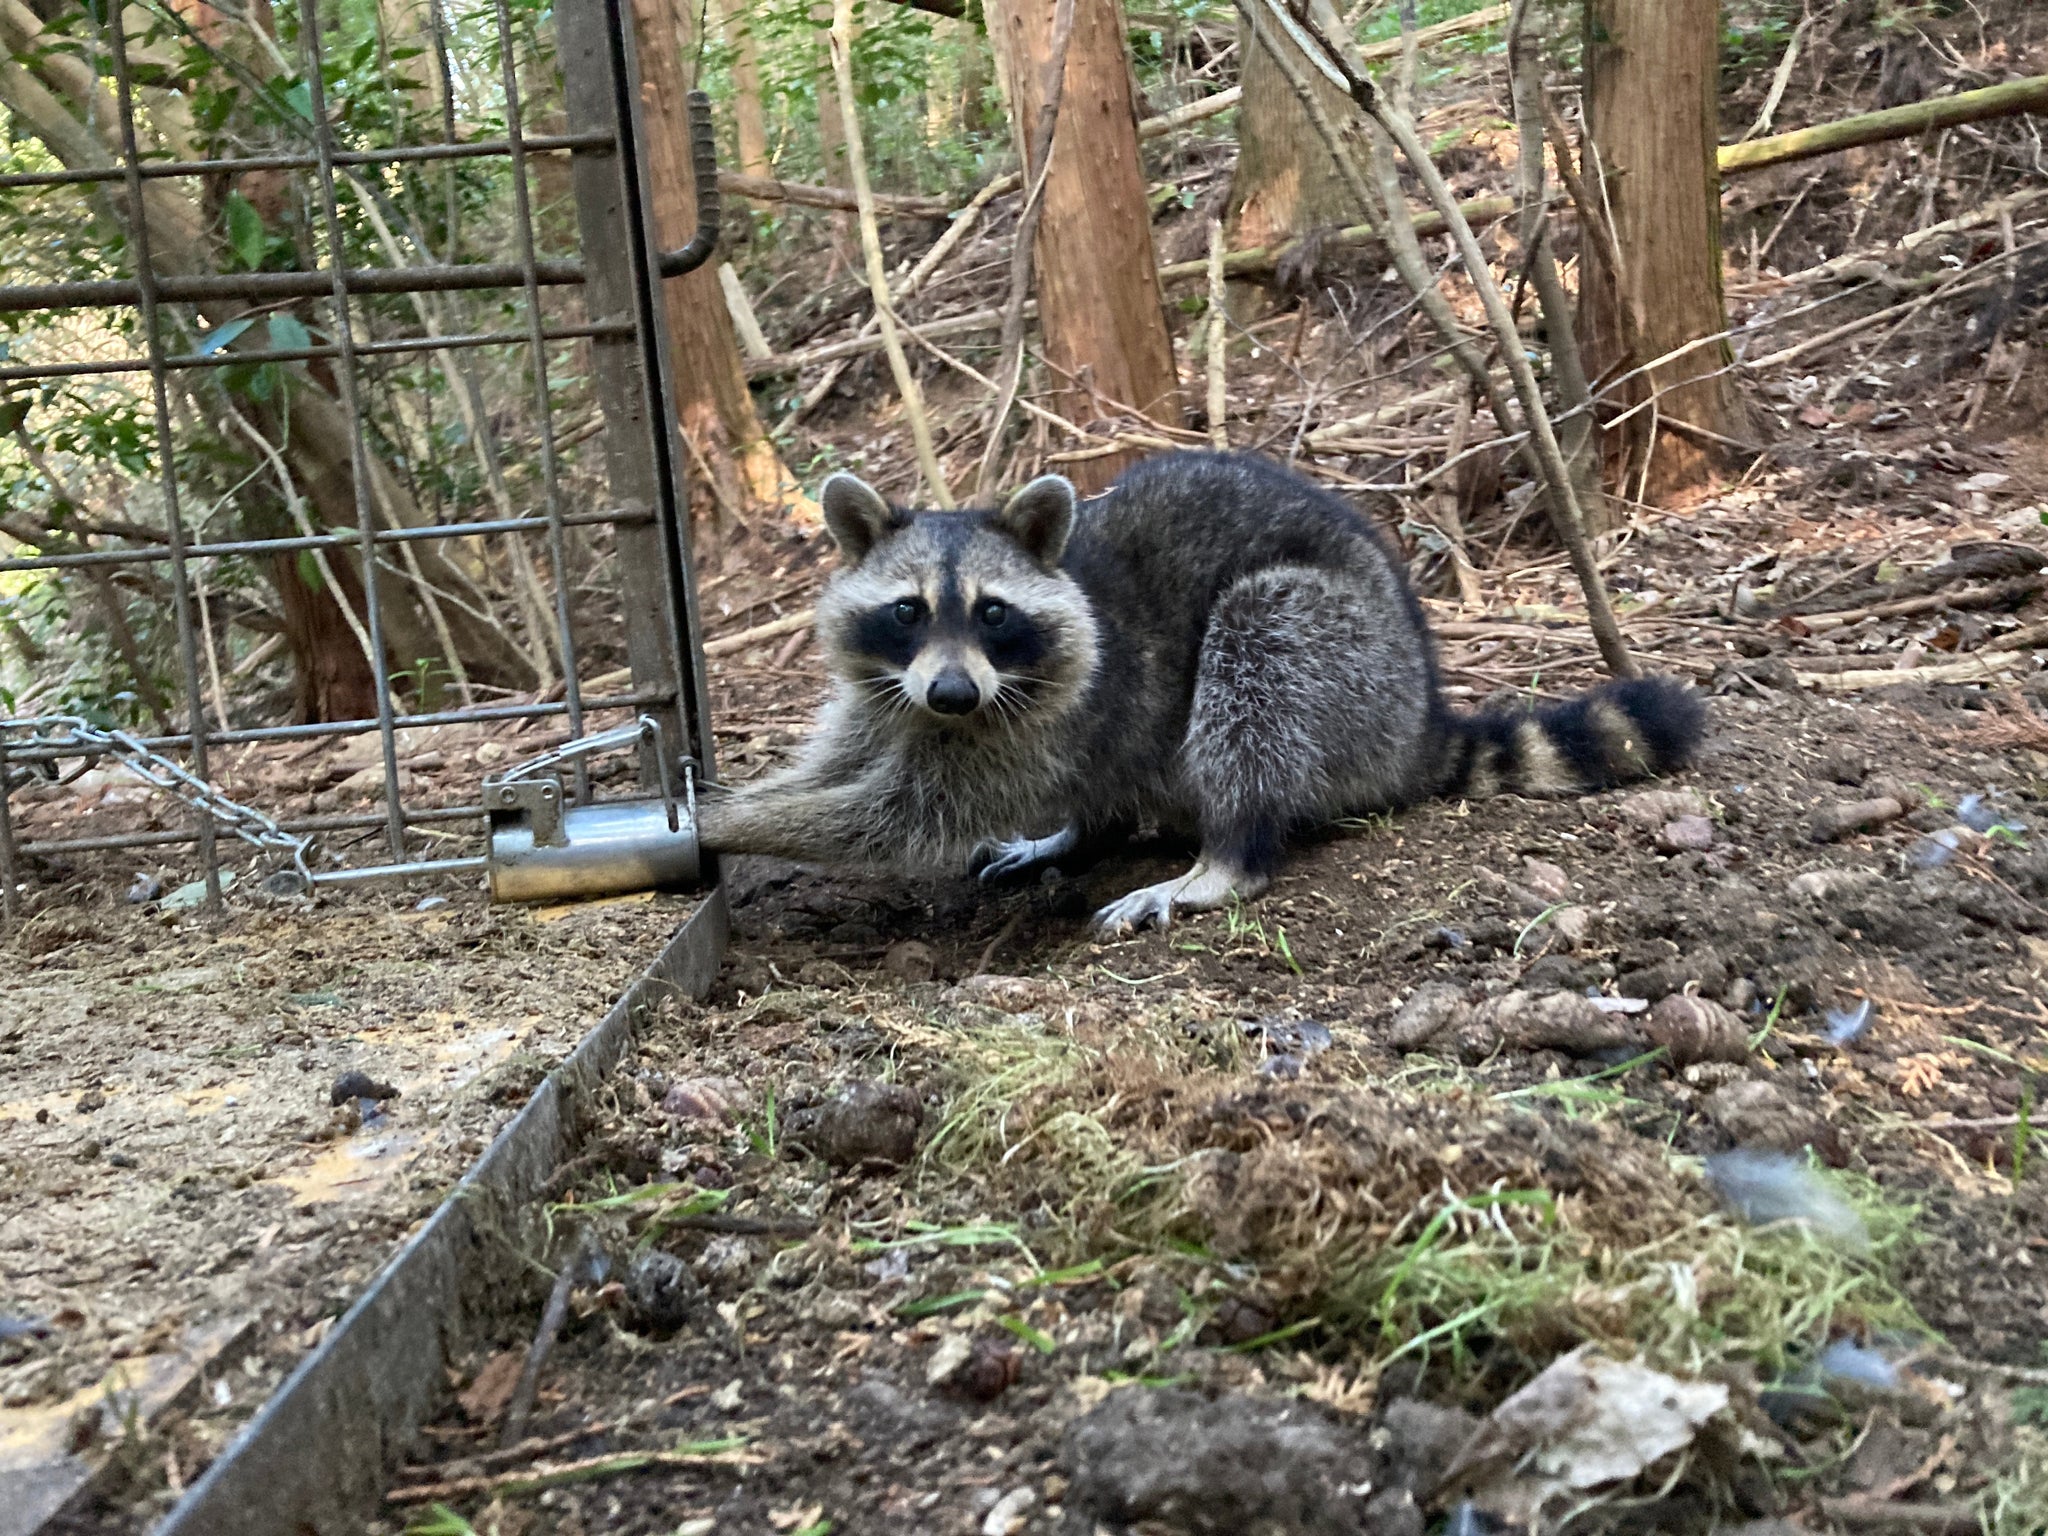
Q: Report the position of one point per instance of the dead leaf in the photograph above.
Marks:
(797, 1517)
(1584, 1422)
(484, 1399)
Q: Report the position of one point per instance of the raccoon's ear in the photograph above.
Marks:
(856, 516)
(1040, 517)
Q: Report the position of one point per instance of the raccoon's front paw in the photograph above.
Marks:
(1001, 861)
(1149, 906)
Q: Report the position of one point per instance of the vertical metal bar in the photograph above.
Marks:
(352, 399)
(620, 363)
(672, 502)
(145, 282)
(558, 551)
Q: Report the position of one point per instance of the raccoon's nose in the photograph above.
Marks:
(953, 692)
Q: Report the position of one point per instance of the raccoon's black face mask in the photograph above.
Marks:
(962, 620)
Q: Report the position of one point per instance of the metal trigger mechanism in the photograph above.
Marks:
(543, 849)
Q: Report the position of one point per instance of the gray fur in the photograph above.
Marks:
(1227, 648)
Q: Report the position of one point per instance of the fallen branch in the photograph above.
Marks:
(1260, 260)
(769, 189)
(789, 623)
(2005, 594)
(2008, 100)
(1977, 668)
(511, 1484)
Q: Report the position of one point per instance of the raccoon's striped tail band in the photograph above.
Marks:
(1621, 732)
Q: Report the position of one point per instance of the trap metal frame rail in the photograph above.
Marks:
(619, 273)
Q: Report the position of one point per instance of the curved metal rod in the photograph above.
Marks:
(704, 168)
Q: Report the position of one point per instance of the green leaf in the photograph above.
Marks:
(309, 571)
(289, 334)
(245, 230)
(299, 97)
(221, 335)
(1038, 1339)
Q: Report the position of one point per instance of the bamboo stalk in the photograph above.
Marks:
(841, 42)
(771, 189)
(2007, 100)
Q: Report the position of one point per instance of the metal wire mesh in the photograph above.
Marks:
(421, 254)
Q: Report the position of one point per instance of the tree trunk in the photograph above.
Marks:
(1286, 183)
(1652, 69)
(331, 682)
(749, 116)
(1098, 289)
(713, 406)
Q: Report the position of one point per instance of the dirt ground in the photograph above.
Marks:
(213, 1135)
(941, 1215)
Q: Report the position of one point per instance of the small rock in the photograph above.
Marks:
(833, 1309)
(88, 1150)
(120, 1160)
(868, 1122)
(147, 888)
(1434, 1007)
(359, 1085)
(1828, 886)
(702, 1100)
(1546, 880)
(1574, 925)
(1007, 1516)
(1844, 765)
(1833, 822)
(1555, 1021)
(1687, 834)
(365, 782)
(910, 960)
(429, 903)
(91, 1100)
(727, 1259)
(661, 1293)
(1649, 809)
(1692, 1029)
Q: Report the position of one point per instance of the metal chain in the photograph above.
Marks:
(68, 736)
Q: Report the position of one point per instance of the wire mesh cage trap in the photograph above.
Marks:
(340, 467)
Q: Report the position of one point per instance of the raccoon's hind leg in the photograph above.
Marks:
(1312, 699)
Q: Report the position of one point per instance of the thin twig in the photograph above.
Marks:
(551, 1320)
(1567, 516)
(841, 41)
(1218, 343)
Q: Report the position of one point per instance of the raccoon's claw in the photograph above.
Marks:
(1149, 906)
(1202, 889)
(1000, 861)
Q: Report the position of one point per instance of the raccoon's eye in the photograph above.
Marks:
(909, 611)
(993, 614)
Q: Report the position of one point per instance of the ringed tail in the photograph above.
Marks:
(1633, 729)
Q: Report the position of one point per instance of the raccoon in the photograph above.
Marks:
(1215, 644)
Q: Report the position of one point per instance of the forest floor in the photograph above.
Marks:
(214, 1134)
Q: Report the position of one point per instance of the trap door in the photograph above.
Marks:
(623, 262)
